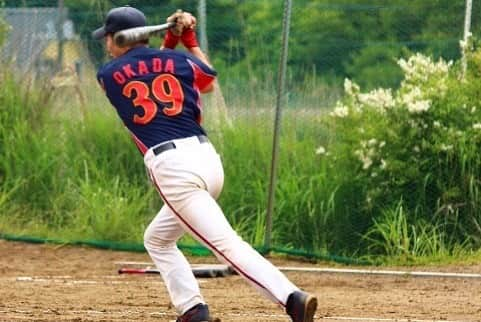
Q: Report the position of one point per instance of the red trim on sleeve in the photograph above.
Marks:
(201, 78)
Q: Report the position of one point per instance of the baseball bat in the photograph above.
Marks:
(128, 36)
(198, 272)
(138, 271)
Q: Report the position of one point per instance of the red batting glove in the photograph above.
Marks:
(171, 40)
(189, 39)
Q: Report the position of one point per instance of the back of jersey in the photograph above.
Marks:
(157, 93)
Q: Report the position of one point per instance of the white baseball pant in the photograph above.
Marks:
(189, 178)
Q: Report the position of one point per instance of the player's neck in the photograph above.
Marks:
(120, 51)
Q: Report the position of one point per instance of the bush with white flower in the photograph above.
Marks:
(418, 145)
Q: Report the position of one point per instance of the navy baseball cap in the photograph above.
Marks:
(119, 19)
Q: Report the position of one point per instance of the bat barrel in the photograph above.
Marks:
(123, 40)
(132, 35)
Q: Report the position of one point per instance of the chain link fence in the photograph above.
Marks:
(329, 41)
(49, 42)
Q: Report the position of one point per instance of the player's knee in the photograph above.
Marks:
(149, 239)
(153, 241)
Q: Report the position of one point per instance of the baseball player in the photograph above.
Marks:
(156, 93)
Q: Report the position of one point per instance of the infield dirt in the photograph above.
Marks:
(64, 283)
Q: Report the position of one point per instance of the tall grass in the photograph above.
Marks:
(80, 176)
(68, 177)
(393, 236)
(72, 176)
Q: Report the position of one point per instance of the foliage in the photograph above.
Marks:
(348, 38)
(376, 66)
(397, 173)
(393, 237)
(3, 31)
(414, 155)
(337, 37)
(55, 173)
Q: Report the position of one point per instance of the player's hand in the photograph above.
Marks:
(183, 20)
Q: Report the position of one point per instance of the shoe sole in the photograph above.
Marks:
(310, 308)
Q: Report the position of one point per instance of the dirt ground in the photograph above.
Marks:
(64, 283)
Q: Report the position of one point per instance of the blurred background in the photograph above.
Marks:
(79, 177)
(329, 41)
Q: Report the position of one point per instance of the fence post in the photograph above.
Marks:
(60, 40)
(467, 31)
(277, 125)
(203, 26)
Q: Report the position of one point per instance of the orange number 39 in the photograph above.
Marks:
(165, 88)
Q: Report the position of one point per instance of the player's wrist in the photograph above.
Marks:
(171, 40)
(189, 38)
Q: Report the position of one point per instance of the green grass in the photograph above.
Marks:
(72, 176)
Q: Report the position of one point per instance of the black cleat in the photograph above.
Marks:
(198, 313)
(301, 306)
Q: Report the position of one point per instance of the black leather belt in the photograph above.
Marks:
(171, 145)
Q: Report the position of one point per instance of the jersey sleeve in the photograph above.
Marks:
(203, 74)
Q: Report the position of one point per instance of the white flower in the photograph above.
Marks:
(422, 70)
(445, 147)
(436, 124)
(372, 142)
(416, 149)
(473, 109)
(321, 150)
(364, 158)
(366, 162)
(414, 102)
(340, 111)
(382, 144)
(419, 106)
(350, 87)
(365, 154)
(420, 67)
(383, 164)
(380, 98)
(477, 126)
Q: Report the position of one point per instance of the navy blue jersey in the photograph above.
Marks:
(156, 93)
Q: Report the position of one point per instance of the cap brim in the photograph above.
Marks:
(99, 33)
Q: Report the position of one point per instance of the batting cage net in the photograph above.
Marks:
(380, 133)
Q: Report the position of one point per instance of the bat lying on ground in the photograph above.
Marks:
(128, 36)
(200, 271)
